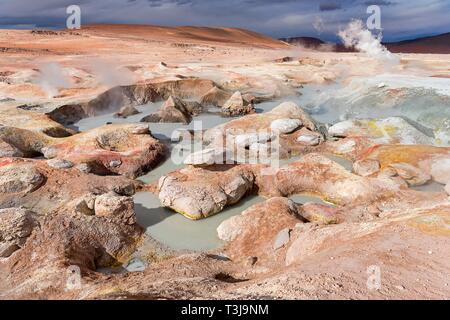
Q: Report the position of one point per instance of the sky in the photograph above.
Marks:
(400, 19)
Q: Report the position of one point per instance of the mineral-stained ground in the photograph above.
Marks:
(87, 124)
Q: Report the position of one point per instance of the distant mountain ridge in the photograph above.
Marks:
(432, 44)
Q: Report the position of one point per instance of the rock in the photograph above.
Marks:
(194, 107)
(319, 213)
(311, 61)
(89, 242)
(293, 111)
(198, 193)
(216, 97)
(258, 124)
(7, 150)
(83, 208)
(447, 188)
(346, 146)
(393, 130)
(249, 98)
(140, 129)
(412, 175)
(115, 163)
(112, 205)
(256, 231)
(85, 205)
(126, 111)
(135, 265)
(284, 59)
(84, 167)
(440, 170)
(230, 229)
(281, 239)
(309, 139)
(16, 226)
(247, 139)
(254, 125)
(93, 150)
(125, 190)
(7, 248)
(285, 126)
(60, 163)
(318, 174)
(236, 105)
(323, 240)
(426, 159)
(173, 110)
(250, 261)
(366, 167)
(20, 178)
(49, 152)
(442, 132)
(207, 157)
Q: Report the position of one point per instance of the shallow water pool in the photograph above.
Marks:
(178, 232)
(431, 186)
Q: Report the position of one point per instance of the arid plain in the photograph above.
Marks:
(357, 206)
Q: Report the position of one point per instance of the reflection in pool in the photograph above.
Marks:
(178, 232)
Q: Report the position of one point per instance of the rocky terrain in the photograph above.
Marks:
(278, 122)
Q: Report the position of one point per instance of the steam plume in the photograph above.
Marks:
(356, 35)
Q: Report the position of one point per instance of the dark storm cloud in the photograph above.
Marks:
(400, 18)
(379, 3)
(329, 6)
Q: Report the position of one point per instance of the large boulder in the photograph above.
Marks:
(125, 149)
(126, 111)
(216, 97)
(293, 111)
(16, 225)
(261, 229)
(8, 150)
(198, 192)
(174, 110)
(20, 178)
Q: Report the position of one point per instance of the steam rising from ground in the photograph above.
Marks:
(51, 78)
(107, 73)
(356, 35)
